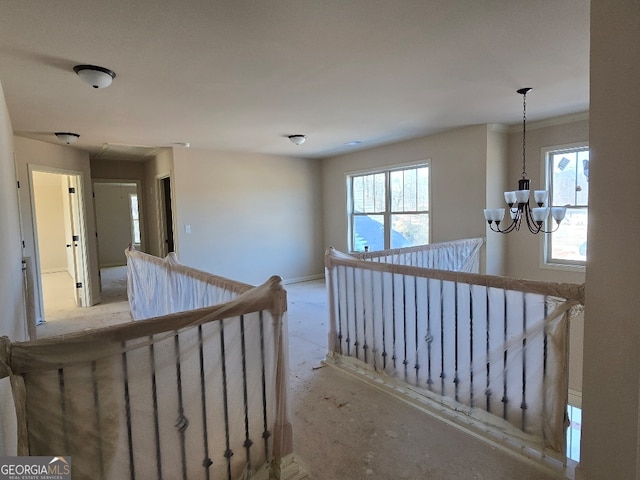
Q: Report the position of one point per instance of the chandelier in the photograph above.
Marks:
(518, 200)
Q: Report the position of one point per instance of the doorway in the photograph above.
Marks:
(166, 216)
(119, 220)
(60, 240)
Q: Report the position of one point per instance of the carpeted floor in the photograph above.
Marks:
(344, 429)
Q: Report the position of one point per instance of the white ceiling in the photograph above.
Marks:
(244, 74)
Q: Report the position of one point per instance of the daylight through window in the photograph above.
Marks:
(389, 208)
(568, 184)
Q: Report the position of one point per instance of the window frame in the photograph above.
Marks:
(387, 213)
(546, 260)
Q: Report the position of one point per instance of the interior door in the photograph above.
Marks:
(76, 245)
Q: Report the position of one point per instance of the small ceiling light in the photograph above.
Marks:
(298, 139)
(67, 137)
(353, 143)
(97, 77)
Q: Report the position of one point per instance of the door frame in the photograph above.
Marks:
(162, 216)
(86, 292)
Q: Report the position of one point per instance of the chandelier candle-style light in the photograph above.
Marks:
(518, 200)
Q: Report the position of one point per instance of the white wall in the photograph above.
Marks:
(49, 156)
(50, 221)
(13, 319)
(251, 216)
(113, 218)
(611, 399)
(458, 182)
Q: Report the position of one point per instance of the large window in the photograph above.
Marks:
(389, 208)
(567, 172)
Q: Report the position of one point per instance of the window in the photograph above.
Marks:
(389, 208)
(567, 172)
(135, 219)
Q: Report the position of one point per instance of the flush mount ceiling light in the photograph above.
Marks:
(518, 200)
(297, 139)
(97, 77)
(67, 137)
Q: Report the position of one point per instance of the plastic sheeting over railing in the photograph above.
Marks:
(193, 395)
(160, 286)
(474, 342)
(457, 255)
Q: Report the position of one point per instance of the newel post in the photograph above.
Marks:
(284, 465)
(331, 291)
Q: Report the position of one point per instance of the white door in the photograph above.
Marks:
(78, 242)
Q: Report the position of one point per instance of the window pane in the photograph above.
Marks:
(582, 181)
(569, 242)
(397, 196)
(356, 193)
(379, 189)
(564, 167)
(410, 191)
(408, 230)
(423, 188)
(368, 230)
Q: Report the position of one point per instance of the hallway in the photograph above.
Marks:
(344, 429)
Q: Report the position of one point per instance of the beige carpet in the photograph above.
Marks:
(344, 429)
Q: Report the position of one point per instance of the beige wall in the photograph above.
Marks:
(497, 160)
(458, 182)
(524, 250)
(113, 218)
(251, 216)
(611, 398)
(50, 221)
(13, 319)
(157, 167)
(61, 159)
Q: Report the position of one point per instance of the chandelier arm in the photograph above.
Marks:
(531, 223)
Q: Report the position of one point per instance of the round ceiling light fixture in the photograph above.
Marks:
(97, 77)
(67, 137)
(297, 139)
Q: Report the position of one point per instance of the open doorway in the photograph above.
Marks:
(119, 220)
(60, 240)
(166, 215)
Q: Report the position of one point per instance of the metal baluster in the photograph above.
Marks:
(127, 406)
(365, 347)
(154, 397)
(374, 350)
(456, 380)
(265, 425)
(384, 328)
(405, 362)
(505, 398)
(523, 405)
(182, 422)
(442, 374)
(247, 441)
(338, 290)
(393, 317)
(355, 314)
(415, 313)
(228, 452)
(471, 346)
(544, 363)
(206, 462)
(96, 408)
(487, 390)
(346, 320)
(429, 338)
